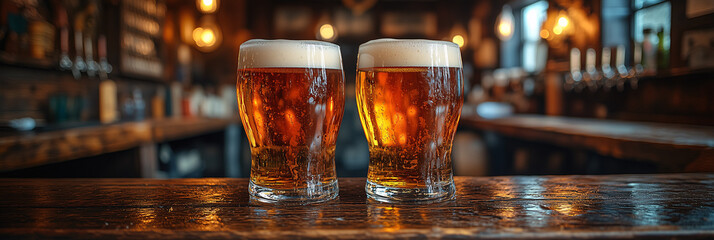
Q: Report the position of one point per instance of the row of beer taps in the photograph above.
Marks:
(84, 47)
(607, 77)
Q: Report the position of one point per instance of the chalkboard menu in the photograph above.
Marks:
(141, 39)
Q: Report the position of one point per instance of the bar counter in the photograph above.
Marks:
(672, 147)
(661, 206)
(31, 149)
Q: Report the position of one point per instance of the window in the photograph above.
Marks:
(533, 17)
(654, 17)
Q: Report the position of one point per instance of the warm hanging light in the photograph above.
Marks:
(327, 32)
(207, 36)
(563, 21)
(459, 35)
(459, 40)
(207, 6)
(505, 24)
(204, 37)
(561, 24)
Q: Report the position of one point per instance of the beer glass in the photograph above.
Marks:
(291, 101)
(409, 96)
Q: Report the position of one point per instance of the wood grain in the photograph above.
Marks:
(177, 128)
(23, 151)
(35, 149)
(673, 147)
(615, 207)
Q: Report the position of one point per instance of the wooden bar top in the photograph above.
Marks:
(675, 147)
(521, 207)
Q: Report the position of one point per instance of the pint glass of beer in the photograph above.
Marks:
(291, 101)
(409, 96)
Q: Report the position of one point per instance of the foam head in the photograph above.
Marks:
(259, 53)
(408, 53)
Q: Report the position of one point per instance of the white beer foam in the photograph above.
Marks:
(387, 52)
(260, 53)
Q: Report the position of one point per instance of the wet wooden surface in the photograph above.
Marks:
(673, 147)
(616, 206)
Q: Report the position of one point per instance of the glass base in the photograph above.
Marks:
(297, 196)
(436, 193)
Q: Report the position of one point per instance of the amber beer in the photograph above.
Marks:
(291, 101)
(409, 96)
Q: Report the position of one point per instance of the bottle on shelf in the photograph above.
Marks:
(107, 101)
(157, 104)
(662, 50)
(649, 52)
(139, 105)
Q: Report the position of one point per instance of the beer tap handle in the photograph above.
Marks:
(637, 68)
(573, 79)
(608, 74)
(104, 66)
(65, 62)
(620, 61)
(79, 65)
(92, 66)
(592, 75)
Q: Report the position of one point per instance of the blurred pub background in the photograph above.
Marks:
(146, 88)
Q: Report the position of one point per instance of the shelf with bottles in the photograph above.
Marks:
(28, 33)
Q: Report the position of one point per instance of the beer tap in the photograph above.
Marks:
(591, 76)
(637, 68)
(79, 65)
(608, 75)
(65, 62)
(92, 66)
(622, 72)
(104, 66)
(572, 80)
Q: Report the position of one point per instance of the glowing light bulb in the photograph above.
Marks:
(563, 22)
(557, 30)
(327, 32)
(197, 36)
(207, 6)
(459, 40)
(204, 37)
(208, 37)
(505, 24)
(505, 29)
